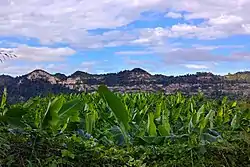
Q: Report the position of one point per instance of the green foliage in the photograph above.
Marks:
(241, 76)
(116, 106)
(12, 116)
(151, 128)
(51, 115)
(132, 129)
(90, 120)
(118, 109)
(4, 98)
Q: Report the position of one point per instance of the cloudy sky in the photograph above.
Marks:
(170, 37)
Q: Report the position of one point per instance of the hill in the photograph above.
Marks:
(239, 76)
(41, 83)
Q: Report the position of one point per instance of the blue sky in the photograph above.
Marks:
(99, 36)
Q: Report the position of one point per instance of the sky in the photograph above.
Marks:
(170, 37)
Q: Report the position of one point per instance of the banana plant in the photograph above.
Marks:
(60, 113)
(11, 115)
(90, 119)
(118, 109)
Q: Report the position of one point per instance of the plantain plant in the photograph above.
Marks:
(133, 119)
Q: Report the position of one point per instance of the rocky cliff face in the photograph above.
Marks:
(41, 83)
(42, 75)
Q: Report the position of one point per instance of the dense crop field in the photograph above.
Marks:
(137, 129)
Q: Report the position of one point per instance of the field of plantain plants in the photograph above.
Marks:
(131, 129)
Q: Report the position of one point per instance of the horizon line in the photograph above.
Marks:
(153, 74)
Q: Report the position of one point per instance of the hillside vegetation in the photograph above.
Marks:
(42, 83)
(131, 129)
(240, 76)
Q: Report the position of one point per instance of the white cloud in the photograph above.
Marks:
(218, 20)
(195, 66)
(15, 70)
(133, 52)
(18, 69)
(246, 28)
(68, 21)
(184, 28)
(39, 54)
(148, 65)
(88, 66)
(55, 68)
(197, 31)
(141, 41)
(219, 16)
(88, 63)
(100, 72)
(225, 19)
(173, 15)
(213, 47)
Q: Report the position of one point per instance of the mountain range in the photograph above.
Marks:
(42, 83)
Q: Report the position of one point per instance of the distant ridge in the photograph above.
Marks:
(134, 70)
(40, 83)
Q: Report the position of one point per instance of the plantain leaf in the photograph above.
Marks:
(234, 104)
(176, 114)
(192, 107)
(4, 98)
(205, 120)
(220, 114)
(151, 128)
(70, 110)
(158, 110)
(165, 128)
(199, 113)
(190, 125)
(210, 138)
(90, 121)
(55, 107)
(51, 115)
(46, 118)
(116, 105)
(14, 116)
(234, 122)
